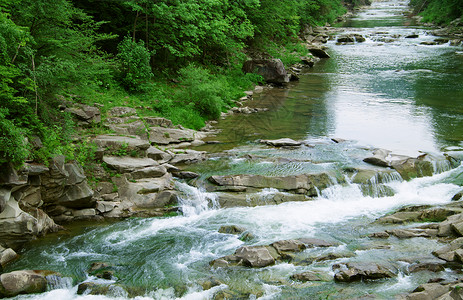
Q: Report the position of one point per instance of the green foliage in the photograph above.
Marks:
(135, 61)
(438, 11)
(13, 146)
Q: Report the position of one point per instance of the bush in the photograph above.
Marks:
(13, 145)
(135, 63)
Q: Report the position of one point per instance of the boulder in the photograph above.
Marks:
(231, 229)
(318, 52)
(357, 271)
(272, 70)
(414, 167)
(7, 256)
(288, 246)
(186, 175)
(412, 36)
(9, 176)
(77, 196)
(255, 256)
(236, 199)
(447, 252)
(359, 38)
(281, 142)
(429, 291)
(128, 164)
(85, 115)
(23, 282)
(310, 276)
(379, 158)
(345, 39)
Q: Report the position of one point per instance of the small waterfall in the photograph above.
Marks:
(55, 282)
(194, 201)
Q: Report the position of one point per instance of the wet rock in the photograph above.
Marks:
(334, 256)
(457, 196)
(313, 242)
(357, 271)
(109, 290)
(186, 175)
(345, 39)
(419, 214)
(318, 52)
(310, 276)
(272, 70)
(7, 256)
(412, 36)
(281, 142)
(310, 182)
(210, 283)
(427, 265)
(23, 282)
(77, 196)
(428, 291)
(128, 164)
(414, 167)
(359, 38)
(413, 232)
(288, 246)
(428, 43)
(255, 257)
(379, 235)
(250, 200)
(379, 158)
(232, 229)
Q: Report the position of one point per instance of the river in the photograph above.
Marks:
(389, 92)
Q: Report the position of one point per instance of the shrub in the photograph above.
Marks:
(135, 63)
(13, 145)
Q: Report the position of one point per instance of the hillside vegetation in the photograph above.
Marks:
(177, 59)
(438, 11)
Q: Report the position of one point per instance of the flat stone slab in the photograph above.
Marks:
(115, 142)
(281, 142)
(128, 164)
(165, 136)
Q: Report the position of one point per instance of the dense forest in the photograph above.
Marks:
(177, 59)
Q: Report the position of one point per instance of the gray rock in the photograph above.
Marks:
(379, 158)
(136, 128)
(158, 155)
(310, 276)
(255, 257)
(23, 282)
(313, 242)
(288, 246)
(309, 182)
(158, 122)
(281, 142)
(357, 271)
(345, 39)
(186, 175)
(272, 70)
(7, 256)
(187, 157)
(128, 164)
(121, 144)
(106, 206)
(148, 172)
(250, 200)
(318, 52)
(77, 196)
(121, 111)
(232, 229)
(166, 136)
(85, 115)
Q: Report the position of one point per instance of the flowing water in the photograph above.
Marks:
(388, 92)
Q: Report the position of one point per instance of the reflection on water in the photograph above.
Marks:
(390, 92)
